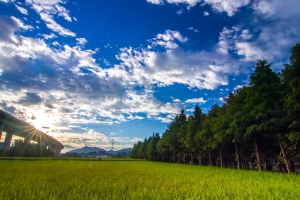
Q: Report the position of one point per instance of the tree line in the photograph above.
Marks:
(22, 149)
(257, 126)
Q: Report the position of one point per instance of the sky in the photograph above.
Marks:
(89, 72)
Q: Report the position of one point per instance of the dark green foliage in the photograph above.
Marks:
(193, 126)
(152, 152)
(21, 149)
(259, 125)
(291, 81)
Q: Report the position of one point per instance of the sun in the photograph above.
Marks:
(43, 121)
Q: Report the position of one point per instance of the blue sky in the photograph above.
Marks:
(93, 71)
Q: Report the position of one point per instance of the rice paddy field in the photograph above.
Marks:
(137, 179)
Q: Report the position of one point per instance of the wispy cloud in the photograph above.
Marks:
(228, 6)
(245, 41)
(65, 86)
(196, 100)
(94, 138)
(70, 84)
(159, 2)
(164, 68)
(81, 41)
(22, 25)
(168, 40)
(49, 36)
(47, 10)
(192, 29)
(22, 10)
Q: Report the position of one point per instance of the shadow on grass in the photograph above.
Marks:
(24, 158)
(120, 159)
(67, 159)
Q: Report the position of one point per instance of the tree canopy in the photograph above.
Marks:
(258, 125)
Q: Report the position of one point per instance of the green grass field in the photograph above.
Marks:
(135, 179)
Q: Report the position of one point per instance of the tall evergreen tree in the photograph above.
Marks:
(152, 152)
(291, 81)
(263, 105)
(194, 124)
(264, 114)
(237, 117)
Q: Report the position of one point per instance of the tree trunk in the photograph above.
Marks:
(266, 165)
(199, 158)
(247, 164)
(174, 157)
(237, 154)
(285, 158)
(209, 159)
(234, 163)
(257, 153)
(221, 158)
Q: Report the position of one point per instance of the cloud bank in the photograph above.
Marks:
(65, 86)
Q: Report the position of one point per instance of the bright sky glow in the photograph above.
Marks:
(93, 71)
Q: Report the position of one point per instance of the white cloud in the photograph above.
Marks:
(107, 46)
(131, 117)
(49, 36)
(264, 7)
(173, 66)
(72, 88)
(277, 9)
(225, 40)
(228, 6)
(159, 2)
(51, 24)
(69, 94)
(63, 12)
(47, 10)
(192, 29)
(177, 100)
(196, 100)
(148, 67)
(169, 39)
(236, 40)
(188, 2)
(239, 41)
(249, 51)
(22, 25)
(246, 35)
(238, 87)
(83, 139)
(22, 10)
(81, 41)
(165, 119)
(272, 36)
(179, 12)
(6, 1)
(205, 13)
(55, 43)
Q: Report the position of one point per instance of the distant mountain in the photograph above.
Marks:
(127, 150)
(87, 149)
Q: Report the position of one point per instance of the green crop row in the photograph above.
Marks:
(137, 179)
